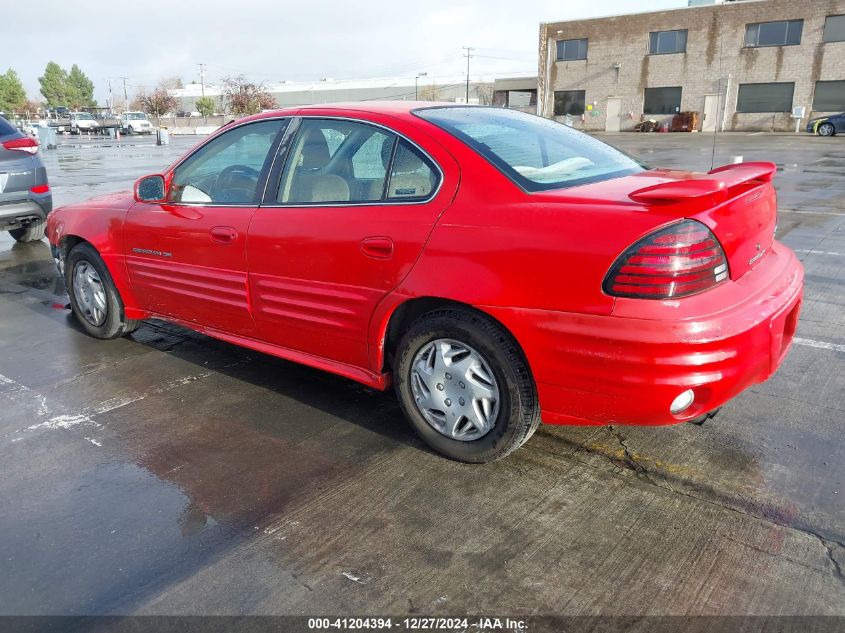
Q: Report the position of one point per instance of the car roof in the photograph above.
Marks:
(374, 107)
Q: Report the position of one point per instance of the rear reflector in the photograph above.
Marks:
(28, 145)
(40, 188)
(678, 261)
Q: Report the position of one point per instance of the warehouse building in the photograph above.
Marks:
(742, 65)
(295, 93)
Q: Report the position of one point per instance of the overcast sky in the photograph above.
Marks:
(273, 40)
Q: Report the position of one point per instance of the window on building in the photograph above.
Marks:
(662, 100)
(663, 42)
(781, 33)
(569, 102)
(773, 97)
(829, 96)
(834, 28)
(568, 50)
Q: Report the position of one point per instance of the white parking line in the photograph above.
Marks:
(815, 252)
(808, 342)
(781, 210)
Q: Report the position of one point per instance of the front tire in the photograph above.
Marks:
(465, 386)
(826, 129)
(94, 299)
(31, 233)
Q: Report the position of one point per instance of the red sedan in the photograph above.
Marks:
(496, 267)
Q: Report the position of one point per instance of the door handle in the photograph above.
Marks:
(377, 247)
(223, 234)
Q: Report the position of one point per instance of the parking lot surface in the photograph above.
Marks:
(169, 473)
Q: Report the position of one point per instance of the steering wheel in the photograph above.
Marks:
(230, 185)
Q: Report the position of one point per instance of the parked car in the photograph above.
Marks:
(25, 197)
(59, 112)
(135, 123)
(827, 125)
(496, 267)
(81, 122)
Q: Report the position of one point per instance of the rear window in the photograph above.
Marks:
(5, 127)
(536, 153)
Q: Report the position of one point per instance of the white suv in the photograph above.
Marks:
(135, 123)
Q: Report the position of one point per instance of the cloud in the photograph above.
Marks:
(270, 41)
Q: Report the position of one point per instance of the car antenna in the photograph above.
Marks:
(724, 107)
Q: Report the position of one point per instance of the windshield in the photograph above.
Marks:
(534, 152)
(136, 116)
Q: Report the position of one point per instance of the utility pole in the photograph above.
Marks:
(125, 95)
(468, 55)
(111, 100)
(416, 79)
(202, 78)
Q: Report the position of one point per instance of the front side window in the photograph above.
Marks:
(834, 28)
(536, 153)
(665, 42)
(781, 33)
(662, 100)
(569, 102)
(341, 161)
(569, 50)
(766, 97)
(227, 169)
(829, 96)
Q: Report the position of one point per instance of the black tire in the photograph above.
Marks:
(827, 129)
(518, 411)
(31, 233)
(115, 323)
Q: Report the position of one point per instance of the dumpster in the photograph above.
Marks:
(47, 137)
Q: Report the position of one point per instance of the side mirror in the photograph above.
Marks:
(150, 189)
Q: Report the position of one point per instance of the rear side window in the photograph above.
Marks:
(5, 127)
(412, 176)
(534, 152)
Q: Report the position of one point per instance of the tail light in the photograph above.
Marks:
(40, 188)
(28, 145)
(680, 260)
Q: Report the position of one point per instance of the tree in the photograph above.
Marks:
(80, 89)
(12, 93)
(429, 93)
(205, 106)
(171, 83)
(484, 92)
(54, 85)
(158, 102)
(244, 97)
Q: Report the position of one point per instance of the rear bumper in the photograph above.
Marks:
(22, 212)
(627, 368)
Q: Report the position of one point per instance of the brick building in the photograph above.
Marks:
(743, 65)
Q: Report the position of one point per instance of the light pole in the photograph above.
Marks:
(416, 79)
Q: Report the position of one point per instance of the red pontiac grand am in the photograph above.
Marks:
(496, 267)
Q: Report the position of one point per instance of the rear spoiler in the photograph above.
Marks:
(726, 178)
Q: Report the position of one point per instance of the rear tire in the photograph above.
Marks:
(95, 303)
(31, 233)
(517, 410)
(827, 129)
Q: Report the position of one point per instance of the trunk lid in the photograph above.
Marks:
(737, 203)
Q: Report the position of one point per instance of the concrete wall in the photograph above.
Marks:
(714, 52)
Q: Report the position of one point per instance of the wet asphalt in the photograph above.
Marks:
(169, 473)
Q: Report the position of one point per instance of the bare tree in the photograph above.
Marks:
(158, 102)
(171, 83)
(243, 97)
(484, 92)
(429, 93)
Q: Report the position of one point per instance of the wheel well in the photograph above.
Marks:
(410, 310)
(69, 241)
